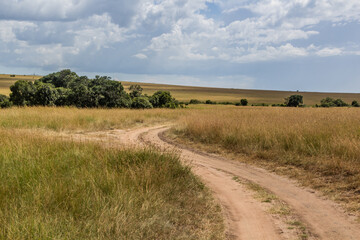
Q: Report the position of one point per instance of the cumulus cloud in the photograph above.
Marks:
(181, 34)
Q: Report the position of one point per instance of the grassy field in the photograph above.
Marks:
(184, 93)
(320, 147)
(52, 189)
(74, 119)
(6, 81)
(40, 194)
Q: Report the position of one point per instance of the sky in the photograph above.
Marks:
(306, 45)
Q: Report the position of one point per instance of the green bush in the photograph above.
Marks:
(141, 103)
(5, 101)
(244, 102)
(195, 101)
(162, 99)
(355, 104)
(209, 102)
(294, 101)
(330, 102)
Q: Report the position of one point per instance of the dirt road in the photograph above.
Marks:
(245, 216)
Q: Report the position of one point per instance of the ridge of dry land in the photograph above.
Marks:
(186, 93)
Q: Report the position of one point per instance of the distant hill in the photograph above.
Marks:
(185, 93)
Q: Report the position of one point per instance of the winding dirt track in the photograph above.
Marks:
(245, 218)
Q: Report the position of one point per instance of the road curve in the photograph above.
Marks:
(245, 218)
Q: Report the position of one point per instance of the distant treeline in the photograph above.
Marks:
(291, 101)
(66, 88)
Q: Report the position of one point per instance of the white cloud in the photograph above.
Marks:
(140, 56)
(171, 31)
(327, 52)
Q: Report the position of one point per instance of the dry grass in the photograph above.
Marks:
(6, 81)
(52, 189)
(321, 147)
(184, 93)
(74, 119)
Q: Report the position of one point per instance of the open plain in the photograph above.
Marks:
(200, 172)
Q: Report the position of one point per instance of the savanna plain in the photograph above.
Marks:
(56, 187)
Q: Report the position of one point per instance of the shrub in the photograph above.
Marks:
(330, 102)
(209, 102)
(260, 105)
(141, 103)
(162, 99)
(294, 101)
(195, 101)
(355, 104)
(5, 101)
(278, 105)
(244, 102)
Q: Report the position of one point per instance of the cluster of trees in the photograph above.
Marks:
(196, 101)
(297, 100)
(331, 102)
(243, 102)
(66, 88)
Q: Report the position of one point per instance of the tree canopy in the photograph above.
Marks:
(66, 88)
(294, 101)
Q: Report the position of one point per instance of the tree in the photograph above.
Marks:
(160, 99)
(22, 93)
(141, 103)
(135, 91)
(5, 101)
(340, 103)
(66, 88)
(45, 94)
(355, 104)
(327, 102)
(330, 102)
(209, 102)
(60, 79)
(294, 100)
(63, 97)
(244, 102)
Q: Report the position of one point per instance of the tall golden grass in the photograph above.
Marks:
(52, 189)
(74, 119)
(323, 143)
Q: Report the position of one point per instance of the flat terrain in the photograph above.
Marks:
(246, 156)
(184, 93)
